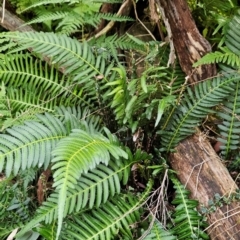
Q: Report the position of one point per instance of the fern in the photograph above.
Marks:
(226, 56)
(29, 145)
(74, 59)
(91, 190)
(232, 35)
(159, 233)
(195, 107)
(111, 219)
(186, 217)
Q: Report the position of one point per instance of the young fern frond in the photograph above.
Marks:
(186, 217)
(195, 107)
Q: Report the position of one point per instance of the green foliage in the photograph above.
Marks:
(194, 108)
(212, 17)
(232, 35)
(68, 16)
(186, 218)
(159, 233)
(74, 107)
(225, 56)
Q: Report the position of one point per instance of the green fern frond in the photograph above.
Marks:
(29, 145)
(77, 117)
(195, 107)
(23, 71)
(229, 128)
(86, 194)
(159, 233)
(47, 231)
(232, 35)
(186, 218)
(73, 57)
(73, 21)
(226, 56)
(111, 219)
(76, 154)
(34, 4)
(52, 16)
(20, 99)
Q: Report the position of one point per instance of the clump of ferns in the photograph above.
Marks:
(68, 17)
(228, 112)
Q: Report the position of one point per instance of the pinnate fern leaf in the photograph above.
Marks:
(30, 145)
(229, 128)
(186, 218)
(226, 56)
(110, 220)
(76, 154)
(233, 35)
(75, 59)
(195, 107)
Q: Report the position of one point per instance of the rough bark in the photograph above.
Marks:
(189, 44)
(201, 170)
(12, 22)
(197, 164)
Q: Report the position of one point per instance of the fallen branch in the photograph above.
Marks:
(12, 22)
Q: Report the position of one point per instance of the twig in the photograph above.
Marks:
(110, 25)
(3, 12)
(136, 15)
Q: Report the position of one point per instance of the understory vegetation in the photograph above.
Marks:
(87, 122)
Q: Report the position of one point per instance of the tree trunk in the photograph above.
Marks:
(197, 164)
(190, 45)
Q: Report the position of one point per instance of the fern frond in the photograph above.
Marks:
(232, 34)
(44, 2)
(23, 71)
(86, 193)
(195, 107)
(226, 56)
(187, 219)
(47, 231)
(77, 117)
(52, 16)
(75, 59)
(76, 154)
(111, 219)
(73, 21)
(30, 145)
(159, 233)
(229, 128)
